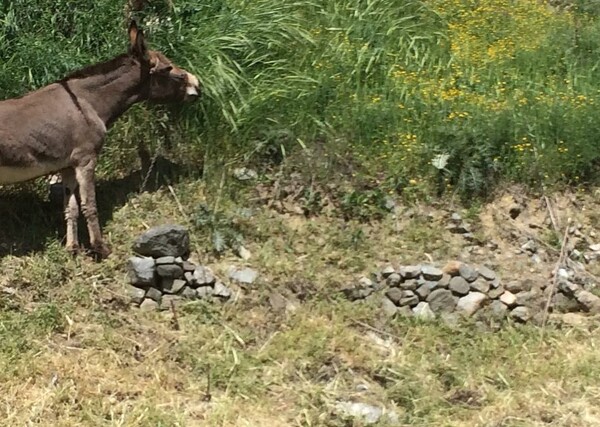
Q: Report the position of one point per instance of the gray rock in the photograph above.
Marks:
(431, 273)
(563, 304)
(165, 260)
(388, 307)
(467, 272)
(521, 314)
(514, 286)
(170, 300)
(149, 305)
(508, 298)
(387, 271)
(497, 310)
(423, 311)
(409, 285)
(368, 414)
(527, 298)
(188, 276)
(179, 261)
(188, 266)
(530, 246)
(410, 271)
(455, 217)
(411, 300)
(495, 293)
(444, 282)
(203, 276)
(595, 247)
(171, 271)
(244, 174)
(166, 240)
(365, 282)
(486, 273)
(189, 293)
(136, 294)
(394, 279)
(424, 290)
(441, 301)
(480, 285)
(154, 294)
(404, 311)
(204, 291)
(221, 291)
(469, 304)
(245, 276)
(590, 301)
(495, 283)
(172, 286)
(141, 271)
(395, 295)
(459, 285)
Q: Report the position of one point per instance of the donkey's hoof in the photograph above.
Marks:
(100, 251)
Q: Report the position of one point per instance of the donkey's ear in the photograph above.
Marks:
(137, 42)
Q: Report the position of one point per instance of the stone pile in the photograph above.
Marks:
(161, 276)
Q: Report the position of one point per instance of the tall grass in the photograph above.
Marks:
(434, 96)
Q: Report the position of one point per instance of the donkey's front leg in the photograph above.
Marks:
(85, 178)
(71, 209)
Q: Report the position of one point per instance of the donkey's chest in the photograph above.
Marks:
(15, 174)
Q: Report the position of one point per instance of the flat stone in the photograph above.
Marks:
(188, 276)
(423, 311)
(590, 301)
(595, 247)
(179, 261)
(188, 266)
(394, 279)
(171, 271)
(409, 285)
(455, 217)
(497, 310)
(404, 311)
(469, 304)
(388, 307)
(486, 273)
(170, 300)
(410, 271)
(244, 275)
(480, 285)
(411, 301)
(468, 273)
(141, 271)
(394, 295)
(424, 290)
(527, 298)
(365, 282)
(495, 293)
(508, 298)
(366, 414)
(172, 286)
(387, 271)
(495, 283)
(444, 282)
(154, 294)
(203, 276)
(136, 295)
(529, 246)
(165, 260)
(514, 286)
(221, 291)
(245, 174)
(189, 293)
(149, 305)
(166, 240)
(204, 291)
(563, 304)
(441, 300)
(459, 285)
(431, 273)
(521, 314)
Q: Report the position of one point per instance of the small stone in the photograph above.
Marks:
(431, 273)
(166, 240)
(423, 311)
(394, 279)
(149, 305)
(521, 314)
(189, 293)
(388, 307)
(469, 304)
(495, 283)
(480, 285)
(141, 271)
(395, 295)
(409, 285)
(424, 290)
(590, 301)
(530, 246)
(387, 271)
(221, 291)
(404, 311)
(136, 294)
(455, 217)
(410, 271)
(441, 300)
(245, 174)
(188, 266)
(203, 276)
(170, 300)
(452, 268)
(508, 298)
(527, 298)
(165, 260)
(495, 293)
(514, 287)
(563, 304)
(497, 310)
(486, 273)
(244, 253)
(468, 273)
(189, 278)
(410, 300)
(444, 282)
(365, 282)
(245, 276)
(459, 285)
(179, 261)
(172, 286)
(595, 247)
(154, 294)
(171, 271)
(204, 291)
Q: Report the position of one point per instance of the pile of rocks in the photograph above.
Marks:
(426, 291)
(161, 275)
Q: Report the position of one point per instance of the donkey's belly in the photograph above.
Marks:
(14, 174)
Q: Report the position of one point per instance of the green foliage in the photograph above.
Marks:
(223, 230)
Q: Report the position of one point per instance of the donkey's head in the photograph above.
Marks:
(163, 81)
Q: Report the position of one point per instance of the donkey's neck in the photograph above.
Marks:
(110, 92)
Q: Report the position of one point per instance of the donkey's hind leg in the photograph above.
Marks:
(71, 208)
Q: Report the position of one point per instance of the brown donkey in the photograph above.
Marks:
(61, 127)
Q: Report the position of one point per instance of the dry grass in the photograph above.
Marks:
(73, 353)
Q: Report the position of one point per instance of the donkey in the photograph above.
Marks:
(60, 128)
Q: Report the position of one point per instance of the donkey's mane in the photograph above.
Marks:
(99, 68)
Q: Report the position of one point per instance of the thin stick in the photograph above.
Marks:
(179, 206)
(379, 331)
(563, 250)
(175, 318)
